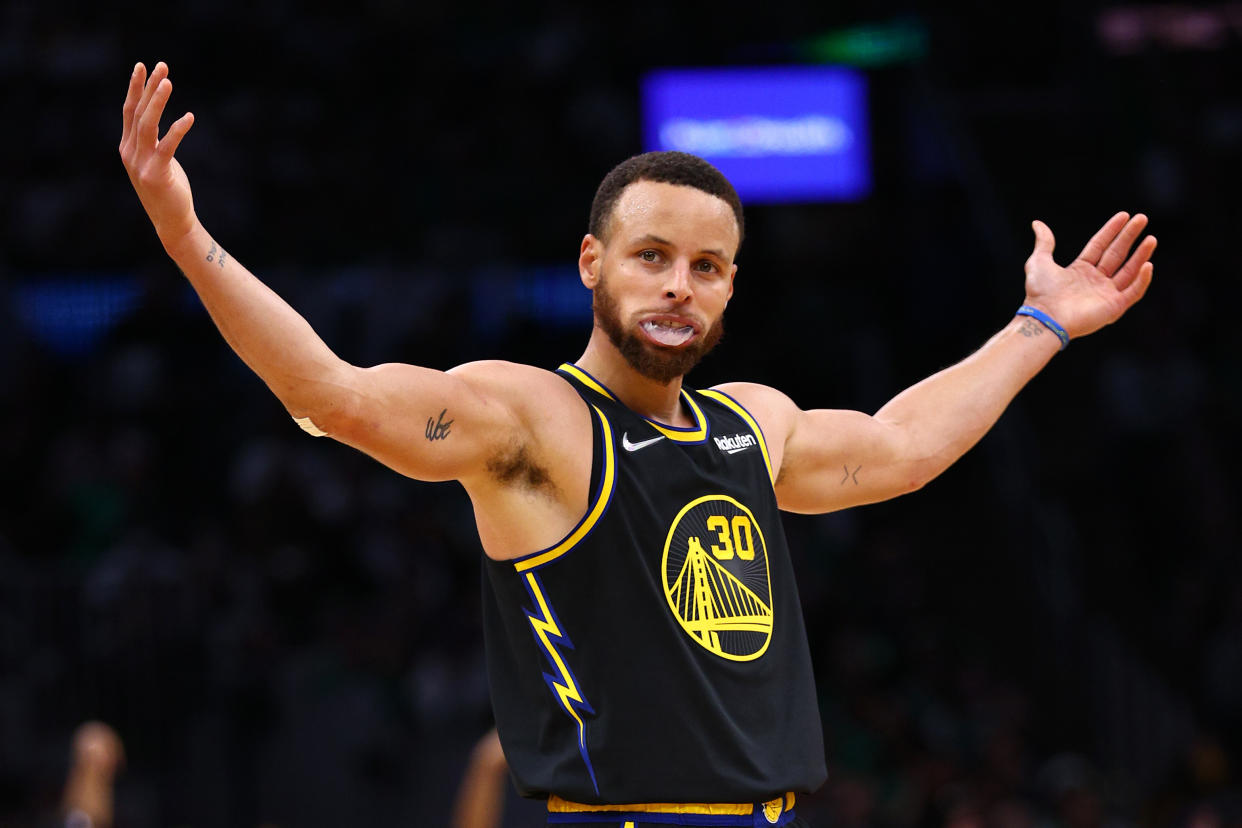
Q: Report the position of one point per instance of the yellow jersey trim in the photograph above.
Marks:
(696, 433)
(602, 499)
(721, 397)
(586, 379)
(557, 805)
(680, 435)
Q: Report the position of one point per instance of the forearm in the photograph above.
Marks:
(835, 459)
(270, 336)
(941, 417)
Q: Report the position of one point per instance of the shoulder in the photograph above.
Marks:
(502, 372)
(774, 410)
(522, 387)
(545, 409)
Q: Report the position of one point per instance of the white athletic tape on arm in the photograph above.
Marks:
(309, 427)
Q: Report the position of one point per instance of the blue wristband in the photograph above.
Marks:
(1047, 321)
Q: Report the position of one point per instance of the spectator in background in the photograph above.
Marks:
(98, 756)
(481, 797)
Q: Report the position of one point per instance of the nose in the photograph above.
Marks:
(677, 281)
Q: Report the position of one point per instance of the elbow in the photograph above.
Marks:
(324, 407)
(326, 420)
(912, 483)
(920, 462)
(920, 474)
(311, 427)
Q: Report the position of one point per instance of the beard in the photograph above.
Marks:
(655, 362)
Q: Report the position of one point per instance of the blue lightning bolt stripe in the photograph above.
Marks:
(563, 685)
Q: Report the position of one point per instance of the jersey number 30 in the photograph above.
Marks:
(742, 541)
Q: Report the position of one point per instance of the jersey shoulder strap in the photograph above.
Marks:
(749, 419)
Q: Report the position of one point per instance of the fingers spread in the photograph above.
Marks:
(1101, 240)
(1141, 255)
(1120, 246)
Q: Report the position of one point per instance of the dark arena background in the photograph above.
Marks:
(282, 632)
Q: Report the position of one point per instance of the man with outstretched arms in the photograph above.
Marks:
(645, 645)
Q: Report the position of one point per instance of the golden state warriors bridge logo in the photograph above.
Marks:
(716, 577)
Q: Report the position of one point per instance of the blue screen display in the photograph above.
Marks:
(780, 134)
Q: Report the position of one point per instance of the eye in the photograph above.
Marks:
(707, 266)
(649, 256)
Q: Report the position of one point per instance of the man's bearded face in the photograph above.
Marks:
(655, 362)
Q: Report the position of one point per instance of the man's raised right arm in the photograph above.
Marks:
(426, 424)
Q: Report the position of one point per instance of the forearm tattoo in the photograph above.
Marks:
(438, 429)
(850, 475)
(217, 254)
(1031, 328)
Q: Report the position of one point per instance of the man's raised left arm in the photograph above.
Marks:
(829, 459)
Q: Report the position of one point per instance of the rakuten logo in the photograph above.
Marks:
(736, 443)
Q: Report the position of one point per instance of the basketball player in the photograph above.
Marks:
(645, 645)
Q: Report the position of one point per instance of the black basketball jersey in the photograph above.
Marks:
(657, 653)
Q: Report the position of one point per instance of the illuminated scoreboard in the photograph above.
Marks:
(780, 134)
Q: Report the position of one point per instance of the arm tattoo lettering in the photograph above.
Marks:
(211, 254)
(850, 475)
(438, 429)
(1030, 328)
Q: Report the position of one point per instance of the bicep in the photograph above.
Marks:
(835, 459)
(426, 424)
(829, 459)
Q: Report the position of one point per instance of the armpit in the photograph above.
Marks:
(515, 467)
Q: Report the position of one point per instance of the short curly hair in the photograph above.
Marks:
(680, 168)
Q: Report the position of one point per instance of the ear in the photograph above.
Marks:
(590, 260)
(732, 276)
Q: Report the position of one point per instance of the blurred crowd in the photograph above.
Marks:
(284, 632)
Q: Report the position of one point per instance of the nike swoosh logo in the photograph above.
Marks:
(628, 446)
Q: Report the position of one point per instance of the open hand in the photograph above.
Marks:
(1098, 286)
(157, 177)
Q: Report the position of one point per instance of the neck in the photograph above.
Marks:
(642, 395)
